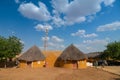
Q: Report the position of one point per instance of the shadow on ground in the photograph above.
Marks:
(117, 78)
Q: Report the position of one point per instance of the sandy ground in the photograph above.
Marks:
(112, 69)
(56, 74)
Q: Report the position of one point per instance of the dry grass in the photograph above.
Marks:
(55, 74)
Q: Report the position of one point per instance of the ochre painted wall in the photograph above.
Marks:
(38, 64)
(82, 64)
(34, 64)
(22, 64)
(70, 66)
(73, 64)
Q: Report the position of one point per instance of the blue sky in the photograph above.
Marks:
(88, 24)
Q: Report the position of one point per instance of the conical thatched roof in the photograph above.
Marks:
(33, 54)
(94, 55)
(72, 53)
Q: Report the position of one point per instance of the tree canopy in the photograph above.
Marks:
(112, 51)
(10, 47)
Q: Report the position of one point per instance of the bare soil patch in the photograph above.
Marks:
(56, 74)
(112, 69)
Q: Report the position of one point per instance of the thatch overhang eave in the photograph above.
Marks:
(72, 53)
(34, 53)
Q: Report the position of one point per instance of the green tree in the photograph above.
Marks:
(3, 45)
(112, 51)
(3, 48)
(14, 47)
(10, 47)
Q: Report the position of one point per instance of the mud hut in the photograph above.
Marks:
(93, 56)
(72, 57)
(33, 57)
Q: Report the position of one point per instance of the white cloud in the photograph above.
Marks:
(41, 27)
(51, 44)
(82, 8)
(109, 27)
(56, 39)
(53, 39)
(79, 33)
(54, 43)
(71, 21)
(32, 11)
(77, 10)
(95, 41)
(82, 33)
(90, 18)
(62, 46)
(45, 38)
(93, 45)
(22, 42)
(60, 5)
(64, 12)
(54, 46)
(90, 35)
(58, 21)
(17, 1)
(108, 2)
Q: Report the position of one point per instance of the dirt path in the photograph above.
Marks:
(112, 69)
(56, 74)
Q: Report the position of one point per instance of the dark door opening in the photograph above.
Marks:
(29, 64)
(75, 64)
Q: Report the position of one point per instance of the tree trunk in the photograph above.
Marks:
(5, 65)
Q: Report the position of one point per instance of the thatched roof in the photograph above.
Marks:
(94, 54)
(72, 53)
(33, 54)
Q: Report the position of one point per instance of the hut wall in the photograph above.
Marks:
(82, 64)
(38, 64)
(70, 65)
(50, 60)
(34, 64)
(22, 64)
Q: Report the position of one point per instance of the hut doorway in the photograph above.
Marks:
(75, 64)
(29, 63)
